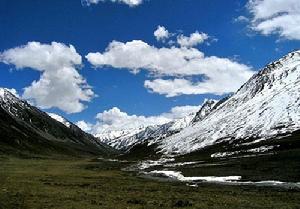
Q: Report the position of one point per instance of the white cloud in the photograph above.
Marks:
(130, 3)
(280, 17)
(87, 127)
(179, 86)
(193, 40)
(116, 120)
(60, 84)
(221, 75)
(161, 33)
(241, 19)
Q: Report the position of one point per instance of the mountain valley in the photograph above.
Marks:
(246, 145)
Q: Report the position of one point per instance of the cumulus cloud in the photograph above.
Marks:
(241, 19)
(219, 75)
(176, 87)
(116, 120)
(87, 127)
(130, 3)
(161, 33)
(60, 84)
(280, 17)
(193, 40)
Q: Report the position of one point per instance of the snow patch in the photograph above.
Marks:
(182, 164)
(227, 180)
(60, 119)
(261, 149)
(2, 92)
(151, 163)
(178, 176)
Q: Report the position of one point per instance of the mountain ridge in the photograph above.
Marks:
(25, 128)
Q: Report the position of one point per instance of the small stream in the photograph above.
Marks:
(165, 169)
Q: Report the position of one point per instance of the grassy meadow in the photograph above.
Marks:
(74, 183)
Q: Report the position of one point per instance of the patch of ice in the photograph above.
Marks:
(227, 180)
(151, 163)
(178, 176)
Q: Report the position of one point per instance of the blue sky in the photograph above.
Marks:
(92, 28)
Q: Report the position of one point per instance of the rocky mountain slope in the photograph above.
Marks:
(24, 128)
(206, 108)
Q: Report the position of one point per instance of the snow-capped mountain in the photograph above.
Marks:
(114, 137)
(11, 103)
(25, 128)
(158, 133)
(125, 139)
(266, 106)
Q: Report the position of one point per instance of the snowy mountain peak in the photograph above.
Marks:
(273, 72)
(111, 136)
(125, 139)
(60, 119)
(7, 95)
(10, 102)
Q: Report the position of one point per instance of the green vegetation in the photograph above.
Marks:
(87, 184)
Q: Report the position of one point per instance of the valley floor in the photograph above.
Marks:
(90, 184)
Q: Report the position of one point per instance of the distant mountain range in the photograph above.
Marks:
(126, 139)
(264, 108)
